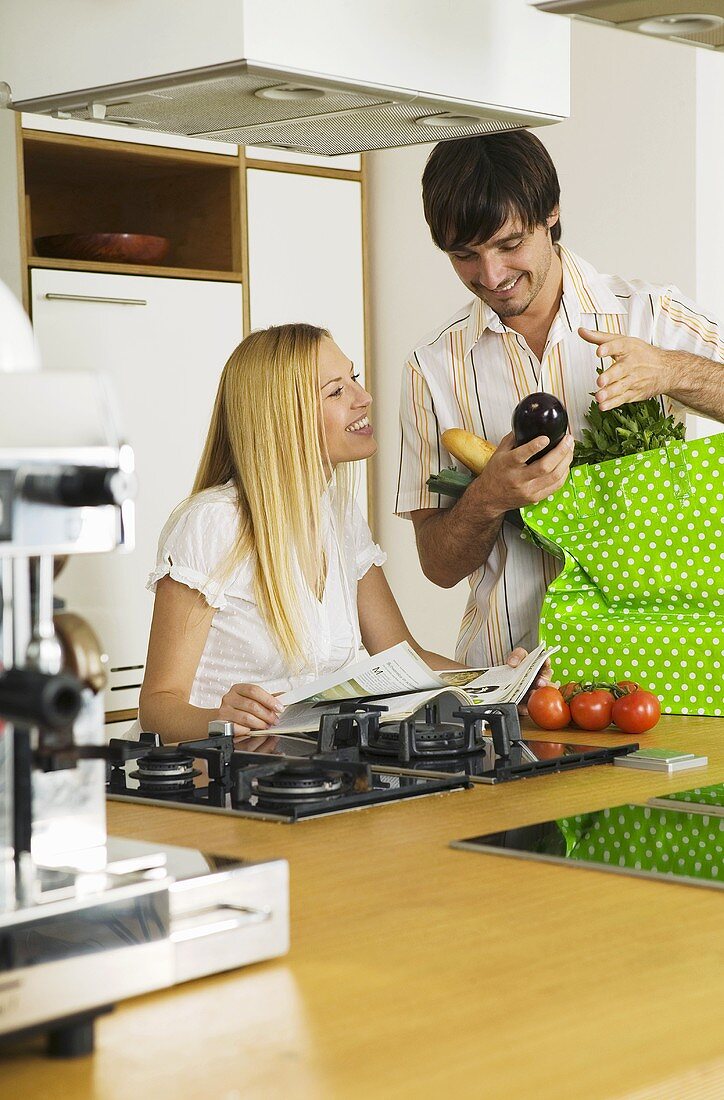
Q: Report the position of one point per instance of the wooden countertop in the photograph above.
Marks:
(418, 970)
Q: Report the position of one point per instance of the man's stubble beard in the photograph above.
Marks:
(510, 309)
(513, 309)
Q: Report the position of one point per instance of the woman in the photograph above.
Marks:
(267, 576)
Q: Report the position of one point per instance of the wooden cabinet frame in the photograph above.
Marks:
(55, 169)
(71, 183)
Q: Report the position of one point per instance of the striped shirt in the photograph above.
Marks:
(472, 372)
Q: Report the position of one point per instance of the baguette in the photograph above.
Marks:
(469, 449)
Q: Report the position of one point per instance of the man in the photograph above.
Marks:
(541, 319)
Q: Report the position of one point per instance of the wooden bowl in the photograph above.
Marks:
(109, 248)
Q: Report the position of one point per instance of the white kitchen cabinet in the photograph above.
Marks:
(305, 254)
(306, 258)
(351, 162)
(163, 342)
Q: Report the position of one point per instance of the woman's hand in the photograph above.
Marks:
(544, 676)
(250, 708)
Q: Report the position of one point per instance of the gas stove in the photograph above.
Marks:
(356, 760)
(484, 743)
(298, 779)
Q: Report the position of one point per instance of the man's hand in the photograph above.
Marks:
(454, 542)
(639, 370)
(543, 679)
(508, 482)
(544, 676)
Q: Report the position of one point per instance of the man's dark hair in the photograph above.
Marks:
(471, 186)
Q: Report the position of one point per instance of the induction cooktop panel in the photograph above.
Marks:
(703, 800)
(648, 841)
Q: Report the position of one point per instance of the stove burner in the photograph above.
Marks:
(301, 783)
(428, 740)
(431, 739)
(166, 771)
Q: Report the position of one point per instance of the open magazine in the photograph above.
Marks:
(400, 680)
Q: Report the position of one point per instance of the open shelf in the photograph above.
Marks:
(136, 269)
(90, 185)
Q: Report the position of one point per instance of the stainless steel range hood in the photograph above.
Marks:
(694, 22)
(325, 76)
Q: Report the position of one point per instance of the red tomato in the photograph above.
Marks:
(568, 690)
(636, 713)
(548, 708)
(627, 686)
(591, 710)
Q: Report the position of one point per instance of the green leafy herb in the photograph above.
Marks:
(638, 426)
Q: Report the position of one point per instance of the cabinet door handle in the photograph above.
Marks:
(96, 298)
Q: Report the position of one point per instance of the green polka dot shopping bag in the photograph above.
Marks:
(641, 592)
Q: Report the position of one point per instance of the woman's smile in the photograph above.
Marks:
(361, 426)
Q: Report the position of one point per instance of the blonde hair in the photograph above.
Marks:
(266, 437)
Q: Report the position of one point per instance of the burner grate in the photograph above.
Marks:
(441, 739)
(289, 782)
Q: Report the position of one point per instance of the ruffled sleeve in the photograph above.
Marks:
(195, 545)
(367, 552)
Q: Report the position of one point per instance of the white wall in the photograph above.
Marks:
(710, 178)
(709, 194)
(627, 164)
(626, 157)
(412, 286)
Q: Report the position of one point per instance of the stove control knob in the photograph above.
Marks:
(217, 728)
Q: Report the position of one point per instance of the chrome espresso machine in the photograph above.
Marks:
(86, 919)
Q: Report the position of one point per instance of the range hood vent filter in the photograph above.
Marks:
(229, 107)
(693, 22)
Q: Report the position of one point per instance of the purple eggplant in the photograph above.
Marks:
(539, 414)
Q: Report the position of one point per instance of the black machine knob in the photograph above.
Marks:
(78, 486)
(39, 699)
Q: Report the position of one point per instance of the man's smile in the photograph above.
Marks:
(504, 290)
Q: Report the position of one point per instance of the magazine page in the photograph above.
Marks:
(303, 717)
(503, 684)
(400, 680)
(300, 718)
(528, 670)
(390, 672)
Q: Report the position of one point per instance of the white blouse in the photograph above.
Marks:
(239, 648)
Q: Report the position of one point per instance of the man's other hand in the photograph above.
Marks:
(638, 370)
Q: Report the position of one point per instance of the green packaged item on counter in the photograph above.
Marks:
(641, 592)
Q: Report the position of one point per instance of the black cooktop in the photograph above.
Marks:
(291, 783)
(482, 742)
(356, 760)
